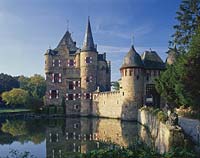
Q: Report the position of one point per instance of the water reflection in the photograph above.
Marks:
(70, 136)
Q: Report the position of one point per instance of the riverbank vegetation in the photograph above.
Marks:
(22, 92)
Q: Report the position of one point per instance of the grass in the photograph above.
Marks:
(13, 110)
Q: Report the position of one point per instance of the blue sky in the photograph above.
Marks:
(29, 27)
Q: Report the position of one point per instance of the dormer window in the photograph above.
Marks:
(88, 60)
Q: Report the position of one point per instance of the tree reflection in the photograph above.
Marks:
(22, 131)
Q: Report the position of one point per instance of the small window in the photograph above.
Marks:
(56, 78)
(76, 125)
(70, 62)
(89, 79)
(130, 72)
(147, 77)
(88, 60)
(76, 107)
(71, 85)
(138, 77)
(70, 97)
(56, 63)
(125, 72)
(87, 96)
(77, 84)
(53, 94)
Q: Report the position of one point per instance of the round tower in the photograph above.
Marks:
(88, 70)
(48, 61)
(172, 55)
(132, 78)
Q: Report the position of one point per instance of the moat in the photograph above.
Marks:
(65, 137)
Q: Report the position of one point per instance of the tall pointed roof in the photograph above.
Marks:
(67, 42)
(88, 43)
(132, 59)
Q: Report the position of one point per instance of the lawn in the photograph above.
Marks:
(13, 110)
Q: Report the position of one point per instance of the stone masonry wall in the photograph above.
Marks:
(114, 105)
(164, 136)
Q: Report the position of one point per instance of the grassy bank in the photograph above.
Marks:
(13, 110)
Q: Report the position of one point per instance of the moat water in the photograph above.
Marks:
(56, 138)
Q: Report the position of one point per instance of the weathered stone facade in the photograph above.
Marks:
(72, 74)
(79, 79)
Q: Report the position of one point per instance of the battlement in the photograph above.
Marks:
(108, 93)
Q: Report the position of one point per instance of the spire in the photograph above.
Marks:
(88, 43)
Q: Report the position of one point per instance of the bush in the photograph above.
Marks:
(59, 110)
(161, 116)
(52, 109)
(16, 96)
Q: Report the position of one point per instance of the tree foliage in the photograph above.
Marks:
(35, 85)
(188, 18)
(115, 85)
(179, 84)
(16, 96)
(7, 83)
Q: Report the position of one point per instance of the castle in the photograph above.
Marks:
(80, 79)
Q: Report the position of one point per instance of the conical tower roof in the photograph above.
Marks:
(88, 43)
(132, 59)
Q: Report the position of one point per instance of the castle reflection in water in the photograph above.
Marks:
(67, 137)
(83, 135)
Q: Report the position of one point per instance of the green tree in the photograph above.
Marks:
(115, 85)
(7, 82)
(16, 96)
(188, 18)
(179, 84)
(165, 86)
(35, 85)
(188, 70)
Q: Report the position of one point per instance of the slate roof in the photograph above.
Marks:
(151, 60)
(51, 52)
(132, 59)
(88, 43)
(67, 41)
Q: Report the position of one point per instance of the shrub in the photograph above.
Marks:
(161, 116)
(59, 110)
(52, 109)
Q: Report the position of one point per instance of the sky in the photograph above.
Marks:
(29, 27)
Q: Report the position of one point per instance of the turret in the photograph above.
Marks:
(88, 68)
(172, 55)
(132, 78)
(88, 62)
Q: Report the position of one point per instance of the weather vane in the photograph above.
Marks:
(67, 25)
(132, 39)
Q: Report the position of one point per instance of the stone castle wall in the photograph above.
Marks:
(114, 105)
(161, 136)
